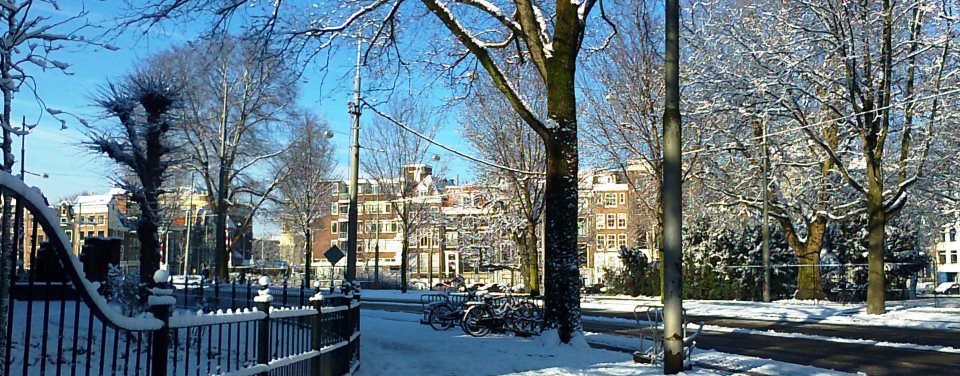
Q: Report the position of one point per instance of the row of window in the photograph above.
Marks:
(943, 257)
(611, 200)
(368, 227)
(611, 221)
(89, 220)
(611, 241)
(84, 234)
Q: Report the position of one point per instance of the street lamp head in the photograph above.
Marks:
(328, 133)
(610, 97)
(436, 157)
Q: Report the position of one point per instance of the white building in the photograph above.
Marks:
(947, 253)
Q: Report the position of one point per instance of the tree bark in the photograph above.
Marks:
(532, 272)
(809, 283)
(307, 256)
(876, 227)
(562, 289)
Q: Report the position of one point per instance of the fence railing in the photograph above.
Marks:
(59, 323)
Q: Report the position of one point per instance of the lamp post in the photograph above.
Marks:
(351, 272)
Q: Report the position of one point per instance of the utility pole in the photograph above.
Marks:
(222, 257)
(766, 218)
(351, 273)
(189, 219)
(376, 247)
(672, 197)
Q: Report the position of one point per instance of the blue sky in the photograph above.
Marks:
(72, 170)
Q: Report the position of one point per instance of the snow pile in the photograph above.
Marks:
(181, 319)
(281, 312)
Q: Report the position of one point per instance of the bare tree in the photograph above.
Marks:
(624, 98)
(490, 36)
(236, 94)
(140, 143)
(304, 192)
(843, 86)
(497, 134)
(393, 162)
(34, 33)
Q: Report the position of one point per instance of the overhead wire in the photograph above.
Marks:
(445, 147)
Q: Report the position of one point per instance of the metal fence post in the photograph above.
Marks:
(316, 333)
(160, 301)
(356, 327)
(262, 302)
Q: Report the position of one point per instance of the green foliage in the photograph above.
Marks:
(718, 263)
(845, 251)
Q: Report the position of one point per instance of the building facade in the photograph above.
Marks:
(946, 258)
(611, 219)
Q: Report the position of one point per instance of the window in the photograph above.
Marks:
(611, 220)
(359, 227)
(600, 222)
(333, 208)
(621, 220)
(953, 234)
(100, 219)
(387, 208)
(90, 219)
(610, 200)
(612, 241)
(100, 234)
(600, 241)
(333, 227)
(372, 227)
(599, 199)
(943, 258)
(359, 209)
(623, 198)
(953, 257)
(70, 235)
(89, 234)
(621, 240)
(63, 219)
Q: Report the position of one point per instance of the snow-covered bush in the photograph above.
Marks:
(845, 278)
(719, 262)
(123, 290)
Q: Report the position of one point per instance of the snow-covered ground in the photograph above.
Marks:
(394, 343)
(943, 313)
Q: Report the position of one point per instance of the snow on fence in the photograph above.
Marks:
(59, 323)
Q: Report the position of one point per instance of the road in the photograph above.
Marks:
(841, 356)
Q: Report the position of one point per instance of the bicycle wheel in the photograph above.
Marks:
(440, 317)
(471, 322)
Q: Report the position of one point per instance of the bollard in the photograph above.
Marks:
(160, 301)
(262, 302)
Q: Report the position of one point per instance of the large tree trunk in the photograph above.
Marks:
(532, 272)
(149, 247)
(876, 223)
(307, 256)
(562, 289)
(809, 283)
(6, 240)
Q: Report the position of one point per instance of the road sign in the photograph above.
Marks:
(333, 255)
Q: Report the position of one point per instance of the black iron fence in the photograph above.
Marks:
(59, 323)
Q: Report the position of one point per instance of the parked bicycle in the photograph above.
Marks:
(442, 311)
(522, 316)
